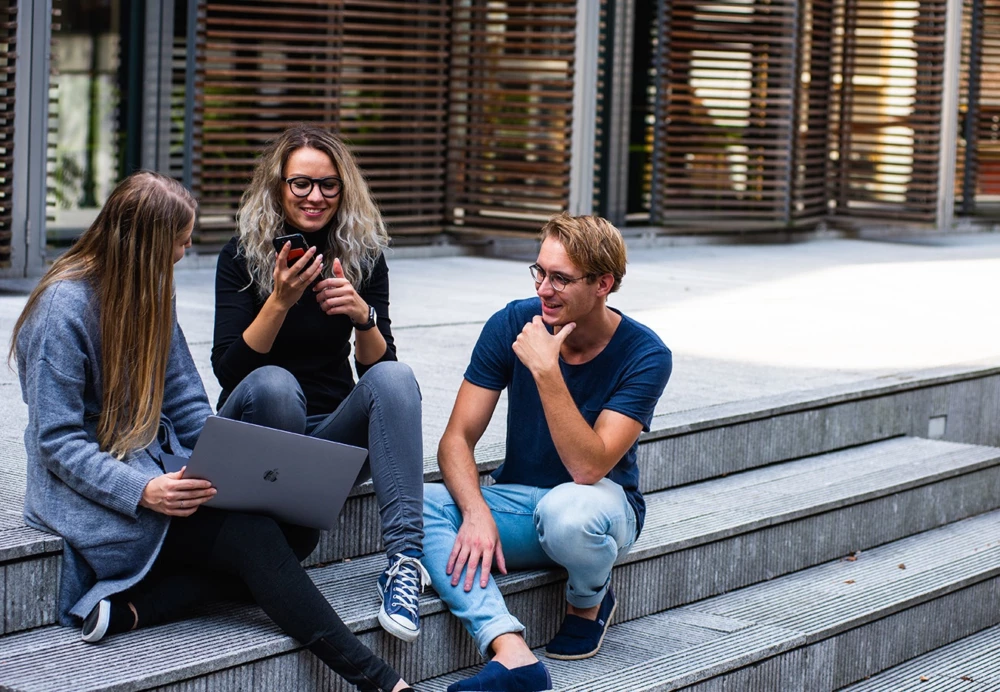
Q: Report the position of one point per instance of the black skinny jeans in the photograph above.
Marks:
(216, 554)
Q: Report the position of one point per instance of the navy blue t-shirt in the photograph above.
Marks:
(628, 377)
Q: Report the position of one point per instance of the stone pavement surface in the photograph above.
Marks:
(744, 322)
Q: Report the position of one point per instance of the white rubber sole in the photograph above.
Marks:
(100, 628)
(390, 625)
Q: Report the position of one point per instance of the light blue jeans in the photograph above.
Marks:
(583, 528)
(381, 414)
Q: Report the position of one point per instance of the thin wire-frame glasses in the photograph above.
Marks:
(557, 281)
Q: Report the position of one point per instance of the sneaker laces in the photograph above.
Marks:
(407, 578)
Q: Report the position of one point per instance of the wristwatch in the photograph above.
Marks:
(364, 327)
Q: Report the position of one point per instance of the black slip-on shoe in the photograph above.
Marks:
(95, 626)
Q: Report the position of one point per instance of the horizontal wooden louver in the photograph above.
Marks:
(394, 106)
(511, 117)
(726, 86)
(178, 100)
(978, 169)
(8, 63)
(988, 116)
(889, 94)
(810, 174)
(965, 146)
(373, 71)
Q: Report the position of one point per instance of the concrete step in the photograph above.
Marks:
(819, 629)
(972, 663)
(699, 541)
(957, 403)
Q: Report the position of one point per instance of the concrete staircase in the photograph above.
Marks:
(808, 541)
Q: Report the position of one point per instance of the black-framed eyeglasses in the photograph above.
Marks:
(302, 186)
(557, 281)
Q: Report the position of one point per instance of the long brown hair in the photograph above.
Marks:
(357, 234)
(127, 257)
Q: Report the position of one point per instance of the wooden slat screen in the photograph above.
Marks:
(978, 169)
(372, 70)
(511, 118)
(987, 141)
(727, 87)
(810, 181)
(178, 96)
(888, 91)
(971, 54)
(394, 106)
(8, 63)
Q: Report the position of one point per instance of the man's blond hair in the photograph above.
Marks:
(592, 243)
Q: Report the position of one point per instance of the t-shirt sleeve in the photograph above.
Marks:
(491, 365)
(641, 386)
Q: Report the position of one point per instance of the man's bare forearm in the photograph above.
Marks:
(460, 475)
(581, 450)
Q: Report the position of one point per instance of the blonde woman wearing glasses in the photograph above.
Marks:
(283, 325)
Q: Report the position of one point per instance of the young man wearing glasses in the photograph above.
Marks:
(582, 382)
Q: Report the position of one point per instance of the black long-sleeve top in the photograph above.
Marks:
(312, 345)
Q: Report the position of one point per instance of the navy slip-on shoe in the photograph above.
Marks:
(495, 677)
(581, 638)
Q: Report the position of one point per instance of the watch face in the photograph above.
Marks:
(369, 324)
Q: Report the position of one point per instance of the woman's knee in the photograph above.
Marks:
(271, 396)
(393, 377)
(276, 384)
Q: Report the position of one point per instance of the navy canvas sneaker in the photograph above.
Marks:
(581, 638)
(399, 587)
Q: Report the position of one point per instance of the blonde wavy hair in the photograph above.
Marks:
(127, 256)
(357, 234)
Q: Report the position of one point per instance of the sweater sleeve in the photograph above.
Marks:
(375, 292)
(185, 402)
(56, 362)
(235, 309)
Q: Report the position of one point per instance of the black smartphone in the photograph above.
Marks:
(299, 246)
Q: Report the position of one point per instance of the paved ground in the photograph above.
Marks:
(743, 321)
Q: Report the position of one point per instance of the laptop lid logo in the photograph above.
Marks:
(271, 475)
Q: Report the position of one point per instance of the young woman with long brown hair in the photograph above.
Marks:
(110, 385)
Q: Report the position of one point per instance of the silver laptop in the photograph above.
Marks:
(294, 478)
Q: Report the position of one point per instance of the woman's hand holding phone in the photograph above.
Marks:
(291, 281)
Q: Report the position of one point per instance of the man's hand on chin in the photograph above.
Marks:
(537, 349)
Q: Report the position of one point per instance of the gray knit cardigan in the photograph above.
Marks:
(75, 490)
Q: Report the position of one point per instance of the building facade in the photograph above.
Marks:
(482, 118)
